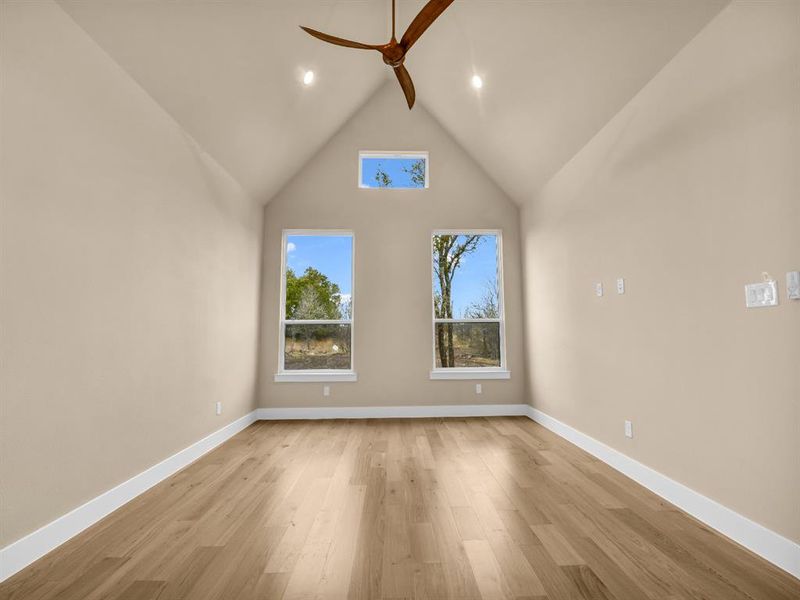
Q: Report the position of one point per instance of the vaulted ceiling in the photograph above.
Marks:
(230, 73)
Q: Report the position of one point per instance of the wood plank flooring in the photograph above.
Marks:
(490, 508)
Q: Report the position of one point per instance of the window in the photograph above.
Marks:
(316, 328)
(468, 321)
(396, 170)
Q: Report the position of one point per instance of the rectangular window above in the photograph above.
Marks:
(468, 316)
(393, 170)
(316, 320)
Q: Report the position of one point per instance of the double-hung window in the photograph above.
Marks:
(468, 319)
(316, 326)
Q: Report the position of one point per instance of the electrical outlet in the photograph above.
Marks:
(628, 429)
(620, 286)
(326, 390)
(478, 388)
(219, 408)
(598, 289)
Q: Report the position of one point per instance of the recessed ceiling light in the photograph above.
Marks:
(477, 82)
(308, 77)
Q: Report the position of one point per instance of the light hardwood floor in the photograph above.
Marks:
(422, 508)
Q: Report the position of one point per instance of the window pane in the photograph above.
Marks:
(316, 347)
(467, 345)
(393, 172)
(465, 284)
(319, 277)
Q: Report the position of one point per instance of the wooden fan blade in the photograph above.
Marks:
(423, 20)
(338, 41)
(408, 86)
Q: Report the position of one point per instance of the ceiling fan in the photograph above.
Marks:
(394, 53)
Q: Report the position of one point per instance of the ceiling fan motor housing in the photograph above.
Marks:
(393, 54)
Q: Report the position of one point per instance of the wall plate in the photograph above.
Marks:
(793, 285)
(758, 295)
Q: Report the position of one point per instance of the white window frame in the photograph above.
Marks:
(362, 154)
(316, 375)
(451, 373)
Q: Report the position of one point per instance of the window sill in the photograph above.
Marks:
(470, 374)
(315, 377)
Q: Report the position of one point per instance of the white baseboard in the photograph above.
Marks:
(771, 546)
(33, 546)
(393, 412)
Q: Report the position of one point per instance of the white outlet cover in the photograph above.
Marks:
(326, 390)
(218, 408)
(598, 289)
(620, 286)
(628, 429)
(758, 295)
(478, 388)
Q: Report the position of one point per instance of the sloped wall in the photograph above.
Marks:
(129, 269)
(689, 193)
(392, 347)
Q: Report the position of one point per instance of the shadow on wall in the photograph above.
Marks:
(753, 100)
(750, 101)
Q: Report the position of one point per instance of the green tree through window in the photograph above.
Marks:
(317, 315)
(312, 296)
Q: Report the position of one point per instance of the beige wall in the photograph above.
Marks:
(129, 270)
(689, 193)
(392, 260)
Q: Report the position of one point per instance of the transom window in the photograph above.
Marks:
(468, 321)
(316, 329)
(394, 170)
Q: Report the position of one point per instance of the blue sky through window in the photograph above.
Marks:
(393, 167)
(476, 275)
(331, 255)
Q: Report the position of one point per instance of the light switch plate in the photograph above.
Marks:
(762, 294)
(793, 285)
(620, 286)
(598, 289)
